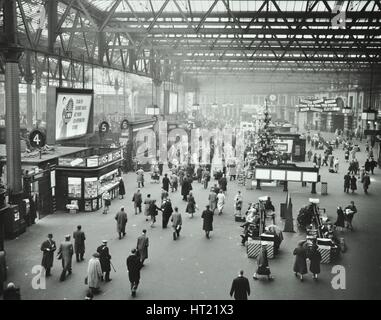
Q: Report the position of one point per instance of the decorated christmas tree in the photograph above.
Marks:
(265, 152)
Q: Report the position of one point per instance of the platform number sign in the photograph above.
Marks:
(124, 124)
(104, 127)
(37, 139)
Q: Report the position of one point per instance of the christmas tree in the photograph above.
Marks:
(265, 152)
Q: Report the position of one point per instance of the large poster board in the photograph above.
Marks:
(73, 111)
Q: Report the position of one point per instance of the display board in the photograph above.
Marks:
(284, 145)
(294, 176)
(73, 109)
(278, 175)
(310, 176)
(262, 174)
(74, 187)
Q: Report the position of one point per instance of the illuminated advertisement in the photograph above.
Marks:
(72, 114)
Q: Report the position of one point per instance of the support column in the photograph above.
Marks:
(29, 95)
(37, 102)
(52, 23)
(12, 53)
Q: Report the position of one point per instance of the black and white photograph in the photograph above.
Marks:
(194, 151)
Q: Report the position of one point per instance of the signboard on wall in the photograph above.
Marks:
(321, 105)
(72, 116)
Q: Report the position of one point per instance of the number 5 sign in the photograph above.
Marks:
(104, 127)
(37, 139)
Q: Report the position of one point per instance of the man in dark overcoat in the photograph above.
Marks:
(105, 260)
(48, 247)
(185, 188)
(122, 189)
(134, 265)
(166, 182)
(79, 243)
(121, 221)
(65, 254)
(240, 287)
(207, 226)
(142, 246)
(167, 210)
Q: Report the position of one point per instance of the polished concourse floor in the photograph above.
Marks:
(197, 268)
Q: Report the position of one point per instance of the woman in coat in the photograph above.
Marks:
(220, 202)
(185, 188)
(147, 202)
(263, 265)
(94, 273)
(153, 212)
(340, 221)
(207, 225)
(347, 182)
(367, 165)
(366, 182)
(315, 161)
(300, 265)
(212, 199)
(353, 183)
(315, 258)
(191, 206)
(122, 189)
(107, 201)
(238, 204)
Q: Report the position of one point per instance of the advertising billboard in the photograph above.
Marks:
(73, 111)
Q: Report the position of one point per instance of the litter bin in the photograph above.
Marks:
(324, 188)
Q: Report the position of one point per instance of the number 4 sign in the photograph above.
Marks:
(37, 138)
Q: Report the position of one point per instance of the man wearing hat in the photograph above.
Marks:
(94, 273)
(142, 246)
(134, 265)
(65, 253)
(48, 247)
(12, 292)
(79, 243)
(121, 221)
(105, 259)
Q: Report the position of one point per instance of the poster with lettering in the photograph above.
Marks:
(72, 115)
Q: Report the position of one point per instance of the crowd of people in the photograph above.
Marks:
(182, 178)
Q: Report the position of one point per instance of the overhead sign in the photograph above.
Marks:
(104, 127)
(124, 124)
(72, 114)
(37, 138)
(320, 105)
